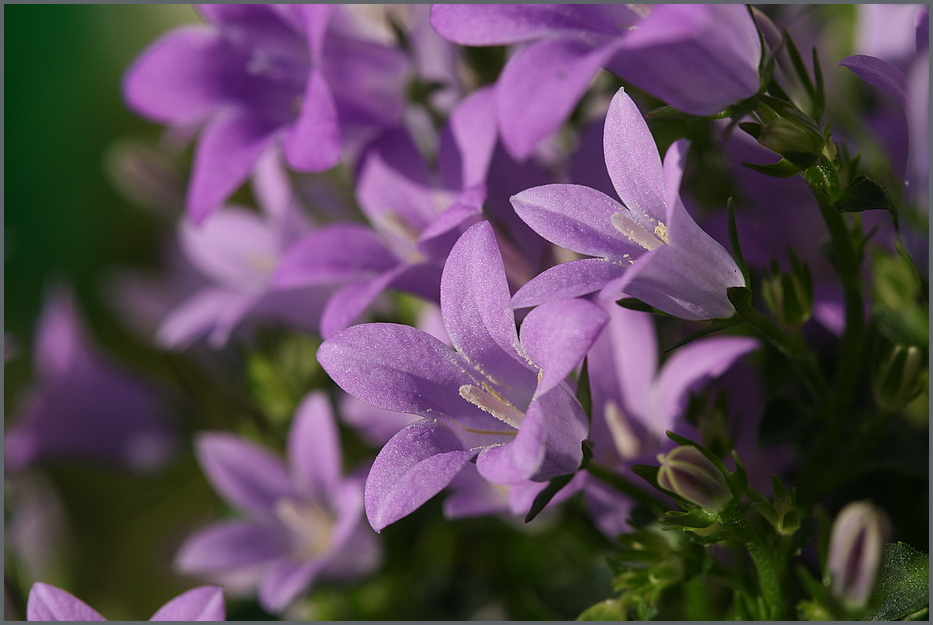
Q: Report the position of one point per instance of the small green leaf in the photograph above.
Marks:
(545, 496)
(903, 583)
(583, 390)
(861, 195)
(669, 112)
(715, 326)
(741, 298)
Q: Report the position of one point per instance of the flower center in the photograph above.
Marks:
(492, 402)
(638, 234)
(311, 526)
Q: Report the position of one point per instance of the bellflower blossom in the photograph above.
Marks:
(48, 603)
(304, 520)
(495, 397)
(698, 58)
(238, 250)
(257, 74)
(417, 218)
(647, 247)
(636, 399)
(84, 407)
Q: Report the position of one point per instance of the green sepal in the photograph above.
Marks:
(649, 473)
(782, 169)
(694, 518)
(584, 396)
(555, 484)
(752, 128)
(683, 440)
(741, 298)
(863, 194)
(738, 479)
(669, 112)
(734, 246)
(716, 325)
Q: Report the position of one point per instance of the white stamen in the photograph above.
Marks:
(636, 233)
(488, 400)
(625, 440)
(310, 523)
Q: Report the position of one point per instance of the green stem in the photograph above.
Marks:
(801, 357)
(769, 570)
(625, 486)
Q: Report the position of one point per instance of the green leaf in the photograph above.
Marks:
(583, 390)
(715, 325)
(903, 582)
(861, 195)
(669, 112)
(782, 169)
(608, 610)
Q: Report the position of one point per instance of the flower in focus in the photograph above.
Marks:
(647, 247)
(49, 603)
(84, 407)
(856, 544)
(259, 73)
(697, 58)
(303, 521)
(494, 397)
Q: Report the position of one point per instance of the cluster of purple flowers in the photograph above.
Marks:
(479, 199)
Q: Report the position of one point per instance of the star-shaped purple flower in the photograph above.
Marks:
(303, 521)
(256, 74)
(84, 407)
(49, 603)
(647, 247)
(494, 397)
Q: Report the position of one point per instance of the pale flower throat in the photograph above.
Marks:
(490, 401)
(637, 233)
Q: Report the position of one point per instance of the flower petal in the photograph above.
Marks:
(230, 545)
(502, 24)
(688, 368)
(397, 367)
(183, 77)
(577, 218)
(881, 75)
(314, 457)
(204, 603)
(245, 474)
(414, 466)
(286, 581)
(468, 140)
(335, 253)
(230, 145)
(557, 335)
(541, 84)
(475, 301)
(313, 142)
(633, 161)
(349, 302)
(570, 279)
(48, 603)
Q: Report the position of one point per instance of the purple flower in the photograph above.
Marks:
(84, 407)
(238, 251)
(303, 521)
(647, 247)
(698, 58)
(636, 399)
(48, 603)
(417, 217)
(257, 74)
(494, 396)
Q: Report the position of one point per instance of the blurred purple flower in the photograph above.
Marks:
(647, 247)
(303, 521)
(238, 250)
(84, 407)
(417, 217)
(257, 74)
(494, 397)
(636, 399)
(698, 58)
(48, 603)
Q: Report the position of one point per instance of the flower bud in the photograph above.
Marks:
(789, 295)
(900, 375)
(855, 547)
(791, 139)
(688, 473)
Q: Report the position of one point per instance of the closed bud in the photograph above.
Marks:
(789, 295)
(900, 375)
(856, 544)
(792, 140)
(685, 471)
